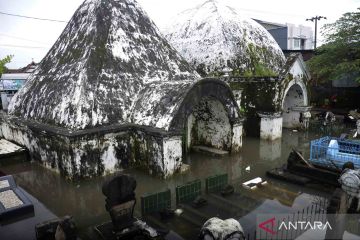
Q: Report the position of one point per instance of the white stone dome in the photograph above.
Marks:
(213, 36)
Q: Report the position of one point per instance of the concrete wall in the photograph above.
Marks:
(271, 127)
(95, 153)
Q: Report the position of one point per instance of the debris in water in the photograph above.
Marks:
(178, 211)
(256, 182)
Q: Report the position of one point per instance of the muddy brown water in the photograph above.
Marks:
(85, 202)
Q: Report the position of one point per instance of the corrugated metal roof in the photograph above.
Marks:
(15, 76)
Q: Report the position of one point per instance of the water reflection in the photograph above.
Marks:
(85, 201)
(270, 151)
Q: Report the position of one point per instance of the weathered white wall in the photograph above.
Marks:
(271, 127)
(293, 98)
(212, 126)
(98, 154)
(172, 155)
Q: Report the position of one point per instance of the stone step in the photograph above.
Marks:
(210, 150)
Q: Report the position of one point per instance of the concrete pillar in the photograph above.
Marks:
(172, 154)
(270, 125)
(237, 133)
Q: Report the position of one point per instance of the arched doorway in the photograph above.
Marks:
(209, 125)
(209, 115)
(294, 99)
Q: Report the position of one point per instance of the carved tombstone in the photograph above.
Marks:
(120, 200)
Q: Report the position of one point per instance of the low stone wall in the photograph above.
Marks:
(95, 152)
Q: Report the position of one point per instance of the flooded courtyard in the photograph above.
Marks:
(85, 202)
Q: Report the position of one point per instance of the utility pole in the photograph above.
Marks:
(315, 19)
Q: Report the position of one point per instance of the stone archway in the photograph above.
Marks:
(209, 116)
(294, 101)
(209, 125)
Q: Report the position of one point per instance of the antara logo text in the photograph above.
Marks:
(270, 226)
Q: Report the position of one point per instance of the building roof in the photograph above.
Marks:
(110, 65)
(269, 25)
(15, 76)
(213, 36)
(27, 69)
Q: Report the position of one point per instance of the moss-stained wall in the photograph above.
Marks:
(94, 153)
(258, 94)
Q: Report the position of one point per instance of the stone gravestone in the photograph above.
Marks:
(120, 200)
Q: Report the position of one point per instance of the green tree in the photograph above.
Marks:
(3, 62)
(340, 55)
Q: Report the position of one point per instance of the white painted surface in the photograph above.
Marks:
(271, 128)
(190, 123)
(296, 96)
(172, 155)
(237, 133)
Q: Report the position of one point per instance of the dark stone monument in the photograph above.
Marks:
(120, 200)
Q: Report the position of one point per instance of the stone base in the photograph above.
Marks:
(271, 126)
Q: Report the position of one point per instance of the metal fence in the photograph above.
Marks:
(155, 202)
(334, 152)
(188, 192)
(313, 212)
(216, 183)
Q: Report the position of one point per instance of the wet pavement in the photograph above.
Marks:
(85, 202)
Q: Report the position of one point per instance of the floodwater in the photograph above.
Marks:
(85, 202)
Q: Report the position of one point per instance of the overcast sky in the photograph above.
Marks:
(29, 39)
